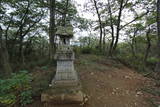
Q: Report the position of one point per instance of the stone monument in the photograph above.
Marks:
(65, 86)
(65, 74)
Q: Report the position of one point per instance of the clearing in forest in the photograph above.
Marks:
(107, 83)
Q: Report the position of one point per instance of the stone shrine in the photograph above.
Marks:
(65, 86)
(65, 73)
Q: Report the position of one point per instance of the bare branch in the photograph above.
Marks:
(134, 20)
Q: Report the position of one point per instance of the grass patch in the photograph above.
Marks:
(153, 91)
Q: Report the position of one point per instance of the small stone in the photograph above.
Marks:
(127, 92)
(139, 93)
(109, 76)
(127, 77)
(114, 90)
(92, 73)
(113, 93)
(98, 85)
(135, 104)
(98, 98)
(105, 105)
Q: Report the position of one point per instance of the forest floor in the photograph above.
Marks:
(107, 83)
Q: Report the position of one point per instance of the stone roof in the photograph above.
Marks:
(65, 31)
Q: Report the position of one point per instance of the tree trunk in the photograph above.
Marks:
(148, 46)
(65, 12)
(4, 57)
(52, 28)
(112, 28)
(133, 44)
(100, 24)
(118, 25)
(21, 51)
(157, 68)
(104, 39)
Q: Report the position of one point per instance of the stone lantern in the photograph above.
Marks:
(65, 86)
(65, 73)
(65, 34)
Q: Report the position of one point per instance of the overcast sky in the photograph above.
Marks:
(80, 7)
(126, 17)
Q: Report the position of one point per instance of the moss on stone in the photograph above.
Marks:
(65, 31)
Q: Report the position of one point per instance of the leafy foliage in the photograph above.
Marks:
(16, 89)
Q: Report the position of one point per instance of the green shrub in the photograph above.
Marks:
(39, 62)
(44, 67)
(152, 60)
(16, 89)
(77, 50)
(86, 50)
(89, 50)
(134, 62)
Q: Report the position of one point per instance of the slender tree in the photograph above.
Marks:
(4, 57)
(148, 45)
(157, 68)
(100, 24)
(118, 24)
(133, 42)
(52, 28)
(65, 13)
(112, 28)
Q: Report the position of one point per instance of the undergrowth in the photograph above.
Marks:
(16, 89)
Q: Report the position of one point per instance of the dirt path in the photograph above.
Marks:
(112, 85)
(109, 84)
(117, 88)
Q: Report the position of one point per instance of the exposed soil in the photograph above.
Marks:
(108, 84)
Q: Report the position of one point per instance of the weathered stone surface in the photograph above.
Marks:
(65, 86)
(70, 83)
(65, 73)
(63, 96)
(64, 48)
(64, 56)
(65, 31)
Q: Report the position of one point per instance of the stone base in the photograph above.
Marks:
(65, 83)
(65, 95)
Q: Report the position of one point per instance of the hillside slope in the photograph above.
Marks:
(109, 84)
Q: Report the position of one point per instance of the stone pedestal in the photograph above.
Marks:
(65, 73)
(63, 95)
(65, 86)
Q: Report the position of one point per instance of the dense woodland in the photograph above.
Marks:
(127, 31)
